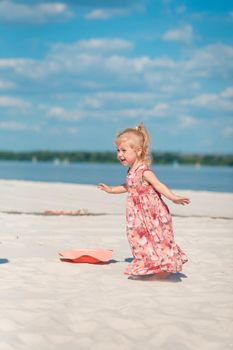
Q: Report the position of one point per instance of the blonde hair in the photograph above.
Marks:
(137, 136)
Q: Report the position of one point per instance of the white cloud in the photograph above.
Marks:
(102, 14)
(13, 62)
(121, 64)
(56, 112)
(99, 82)
(41, 13)
(119, 98)
(160, 109)
(16, 126)
(164, 62)
(228, 92)
(195, 85)
(63, 114)
(104, 45)
(89, 46)
(96, 64)
(72, 130)
(183, 35)
(212, 60)
(228, 131)
(187, 121)
(92, 102)
(89, 3)
(157, 111)
(6, 85)
(181, 9)
(210, 101)
(13, 102)
(106, 112)
(199, 15)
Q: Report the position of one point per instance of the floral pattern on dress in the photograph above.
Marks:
(149, 229)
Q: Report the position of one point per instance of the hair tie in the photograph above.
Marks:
(138, 127)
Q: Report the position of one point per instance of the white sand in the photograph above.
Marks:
(48, 304)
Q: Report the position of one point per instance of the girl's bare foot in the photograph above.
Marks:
(162, 275)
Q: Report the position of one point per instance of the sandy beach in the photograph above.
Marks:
(53, 305)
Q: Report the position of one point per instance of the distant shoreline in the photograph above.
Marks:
(110, 157)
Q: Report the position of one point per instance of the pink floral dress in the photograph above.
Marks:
(149, 229)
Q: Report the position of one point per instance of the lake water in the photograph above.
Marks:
(207, 178)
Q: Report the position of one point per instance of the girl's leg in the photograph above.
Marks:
(162, 275)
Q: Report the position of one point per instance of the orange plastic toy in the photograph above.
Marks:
(89, 256)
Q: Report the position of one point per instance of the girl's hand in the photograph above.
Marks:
(180, 200)
(105, 188)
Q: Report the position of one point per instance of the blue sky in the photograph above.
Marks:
(73, 73)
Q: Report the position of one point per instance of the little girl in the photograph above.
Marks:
(149, 223)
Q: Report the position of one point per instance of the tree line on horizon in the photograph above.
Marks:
(110, 157)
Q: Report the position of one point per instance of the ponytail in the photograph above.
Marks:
(140, 128)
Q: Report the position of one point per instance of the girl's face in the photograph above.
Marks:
(126, 154)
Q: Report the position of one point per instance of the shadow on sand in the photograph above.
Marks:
(4, 261)
(112, 261)
(173, 277)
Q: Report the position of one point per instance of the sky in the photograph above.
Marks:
(74, 73)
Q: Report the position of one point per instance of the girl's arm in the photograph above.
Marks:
(114, 189)
(150, 177)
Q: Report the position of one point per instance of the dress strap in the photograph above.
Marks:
(144, 168)
(147, 168)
